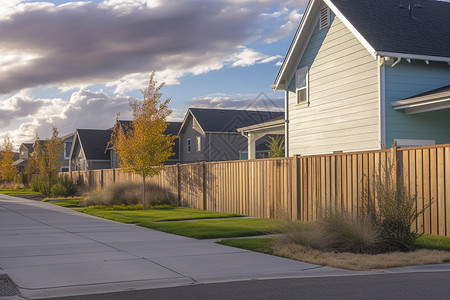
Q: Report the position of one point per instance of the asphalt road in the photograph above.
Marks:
(435, 285)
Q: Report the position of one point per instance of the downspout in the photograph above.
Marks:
(286, 123)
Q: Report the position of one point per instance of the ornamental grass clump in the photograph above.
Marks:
(128, 193)
(334, 231)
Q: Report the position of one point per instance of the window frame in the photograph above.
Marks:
(199, 143)
(188, 145)
(303, 70)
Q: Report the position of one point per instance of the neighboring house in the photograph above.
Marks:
(25, 151)
(210, 134)
(67, 141)
(172, 128)
(362, 75)
(88, 150)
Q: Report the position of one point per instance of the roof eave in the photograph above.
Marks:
(413, 56)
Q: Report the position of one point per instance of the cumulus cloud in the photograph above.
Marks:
(248, 102)
(86, 109)
(86, 42)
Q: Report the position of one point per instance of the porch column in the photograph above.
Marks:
(252, 145)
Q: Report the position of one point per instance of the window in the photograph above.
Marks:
(199, 145)
(188, 144)
(301, 85)
(67, 147)
(243, 155)
(324, 17)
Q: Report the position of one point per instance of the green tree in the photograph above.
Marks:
(7, 171)
(142, 146)
(276, 145)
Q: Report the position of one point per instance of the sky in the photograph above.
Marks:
(75, 64)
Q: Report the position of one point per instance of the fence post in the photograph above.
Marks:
(397, 168)
(295, 188)
(178, 185)
(113, 175)
(203, 186)
(101, 178)
(90, 181)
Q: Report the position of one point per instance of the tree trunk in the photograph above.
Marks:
(143, 192)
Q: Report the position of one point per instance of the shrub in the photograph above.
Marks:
(22, 178)
(129, 193)
(395, 211)
(64, 187)
(41, 185)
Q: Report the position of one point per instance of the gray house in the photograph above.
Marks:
(172, 129)
(88, 150)
(211, 134)
(25, 151)
(363, 75)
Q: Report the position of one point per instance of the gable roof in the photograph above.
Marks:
(29, 147)
(228, 120)
(401, 26)
(93, 142)
(384, 27)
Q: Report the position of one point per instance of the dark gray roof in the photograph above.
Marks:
(29, 146)
(94, 143)
(228, 120)
(439, 93)
(387, 26)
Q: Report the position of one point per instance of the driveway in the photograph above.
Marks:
(50, 251)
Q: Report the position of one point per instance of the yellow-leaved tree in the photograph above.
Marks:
(142, 146)
(47, 155)
(7, 170)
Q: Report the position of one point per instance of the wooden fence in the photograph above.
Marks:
(299, 187)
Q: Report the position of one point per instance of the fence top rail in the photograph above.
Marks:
(345, 153)
(423, 147)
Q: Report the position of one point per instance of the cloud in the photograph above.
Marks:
(86, 109)
(248, 102)
(248, 57)
(81, 43)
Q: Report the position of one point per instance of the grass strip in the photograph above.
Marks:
(433, 242)
(223, 228)
(18, 192)
(148, 216)
(65, 202)
(263, 245)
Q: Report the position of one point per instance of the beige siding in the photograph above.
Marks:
(343, 114)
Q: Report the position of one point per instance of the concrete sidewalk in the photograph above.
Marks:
(50, 251)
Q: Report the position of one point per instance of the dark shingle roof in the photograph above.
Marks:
(387, 26)
(228, 120)
(29, 146)
(94, 142)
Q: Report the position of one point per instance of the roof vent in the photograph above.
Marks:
(324, 17)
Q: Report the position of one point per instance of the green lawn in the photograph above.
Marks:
(145, 217)
(264, 244)
(224, 228)
(18, 192)
(433, 242)
(65, 202)
(205, 226)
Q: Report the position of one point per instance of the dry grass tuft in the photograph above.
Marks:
(126, 194)
(352, 261)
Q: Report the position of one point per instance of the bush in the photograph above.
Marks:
(22, 178)
(64, 187)
(129, 193)
(395, 211)
(41, 185)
